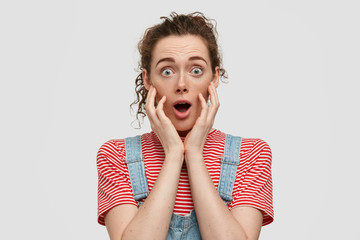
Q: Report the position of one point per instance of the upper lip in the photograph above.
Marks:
(182, 101)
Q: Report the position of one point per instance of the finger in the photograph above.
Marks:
(149, 107)
(204, 107)
(213, 95)
(214, 100)
(151, 97)
(214, 104)
(160, 109)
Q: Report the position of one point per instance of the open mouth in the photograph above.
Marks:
(182, 107)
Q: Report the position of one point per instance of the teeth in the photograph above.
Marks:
(182, 104)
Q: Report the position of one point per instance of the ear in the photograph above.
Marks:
(146, 79)
(216, 77)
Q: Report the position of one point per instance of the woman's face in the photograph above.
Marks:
(180, 70)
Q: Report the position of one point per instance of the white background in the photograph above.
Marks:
(67, 71)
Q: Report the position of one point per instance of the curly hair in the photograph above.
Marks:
(176, 24)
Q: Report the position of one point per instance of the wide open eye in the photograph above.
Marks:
(197, 71)
(166, 72)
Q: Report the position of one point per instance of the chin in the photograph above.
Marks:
(184, 126)
(183, 129)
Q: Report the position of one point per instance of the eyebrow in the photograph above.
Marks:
(173, 60)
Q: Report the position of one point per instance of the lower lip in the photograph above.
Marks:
(182, 115)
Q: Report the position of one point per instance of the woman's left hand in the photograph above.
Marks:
(195, 139)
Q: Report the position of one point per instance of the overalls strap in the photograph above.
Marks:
(135, 163)
(183, 227)
(229, 164)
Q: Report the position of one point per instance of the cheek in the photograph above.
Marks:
(205, 93)
(202, 87)
(159, 93)
(159, 96)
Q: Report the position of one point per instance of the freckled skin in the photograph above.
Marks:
(182, 55)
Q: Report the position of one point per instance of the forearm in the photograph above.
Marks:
(214, 218)
(153, 217)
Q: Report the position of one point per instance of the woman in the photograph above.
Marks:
(183, 180)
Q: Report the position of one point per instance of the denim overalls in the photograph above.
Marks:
(182, 227)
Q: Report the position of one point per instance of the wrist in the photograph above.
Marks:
(193, 154)
(174, 149)
(193, 151)
(175, 156)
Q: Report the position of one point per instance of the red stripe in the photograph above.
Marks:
(253, 185)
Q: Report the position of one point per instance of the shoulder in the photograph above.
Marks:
(253, 149)
(112, 147)
(255, 146)
(112, 152)
(255, 152)
(248, 145)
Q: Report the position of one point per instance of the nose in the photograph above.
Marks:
(181, 85)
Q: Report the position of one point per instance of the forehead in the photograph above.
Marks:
(180, 47)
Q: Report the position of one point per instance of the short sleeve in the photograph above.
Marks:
(113, 178)
(253, 186)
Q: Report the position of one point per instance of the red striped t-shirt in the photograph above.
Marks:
(253, 184)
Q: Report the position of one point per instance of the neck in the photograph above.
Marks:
(183, 133)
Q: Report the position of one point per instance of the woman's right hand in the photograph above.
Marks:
(162, 125)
